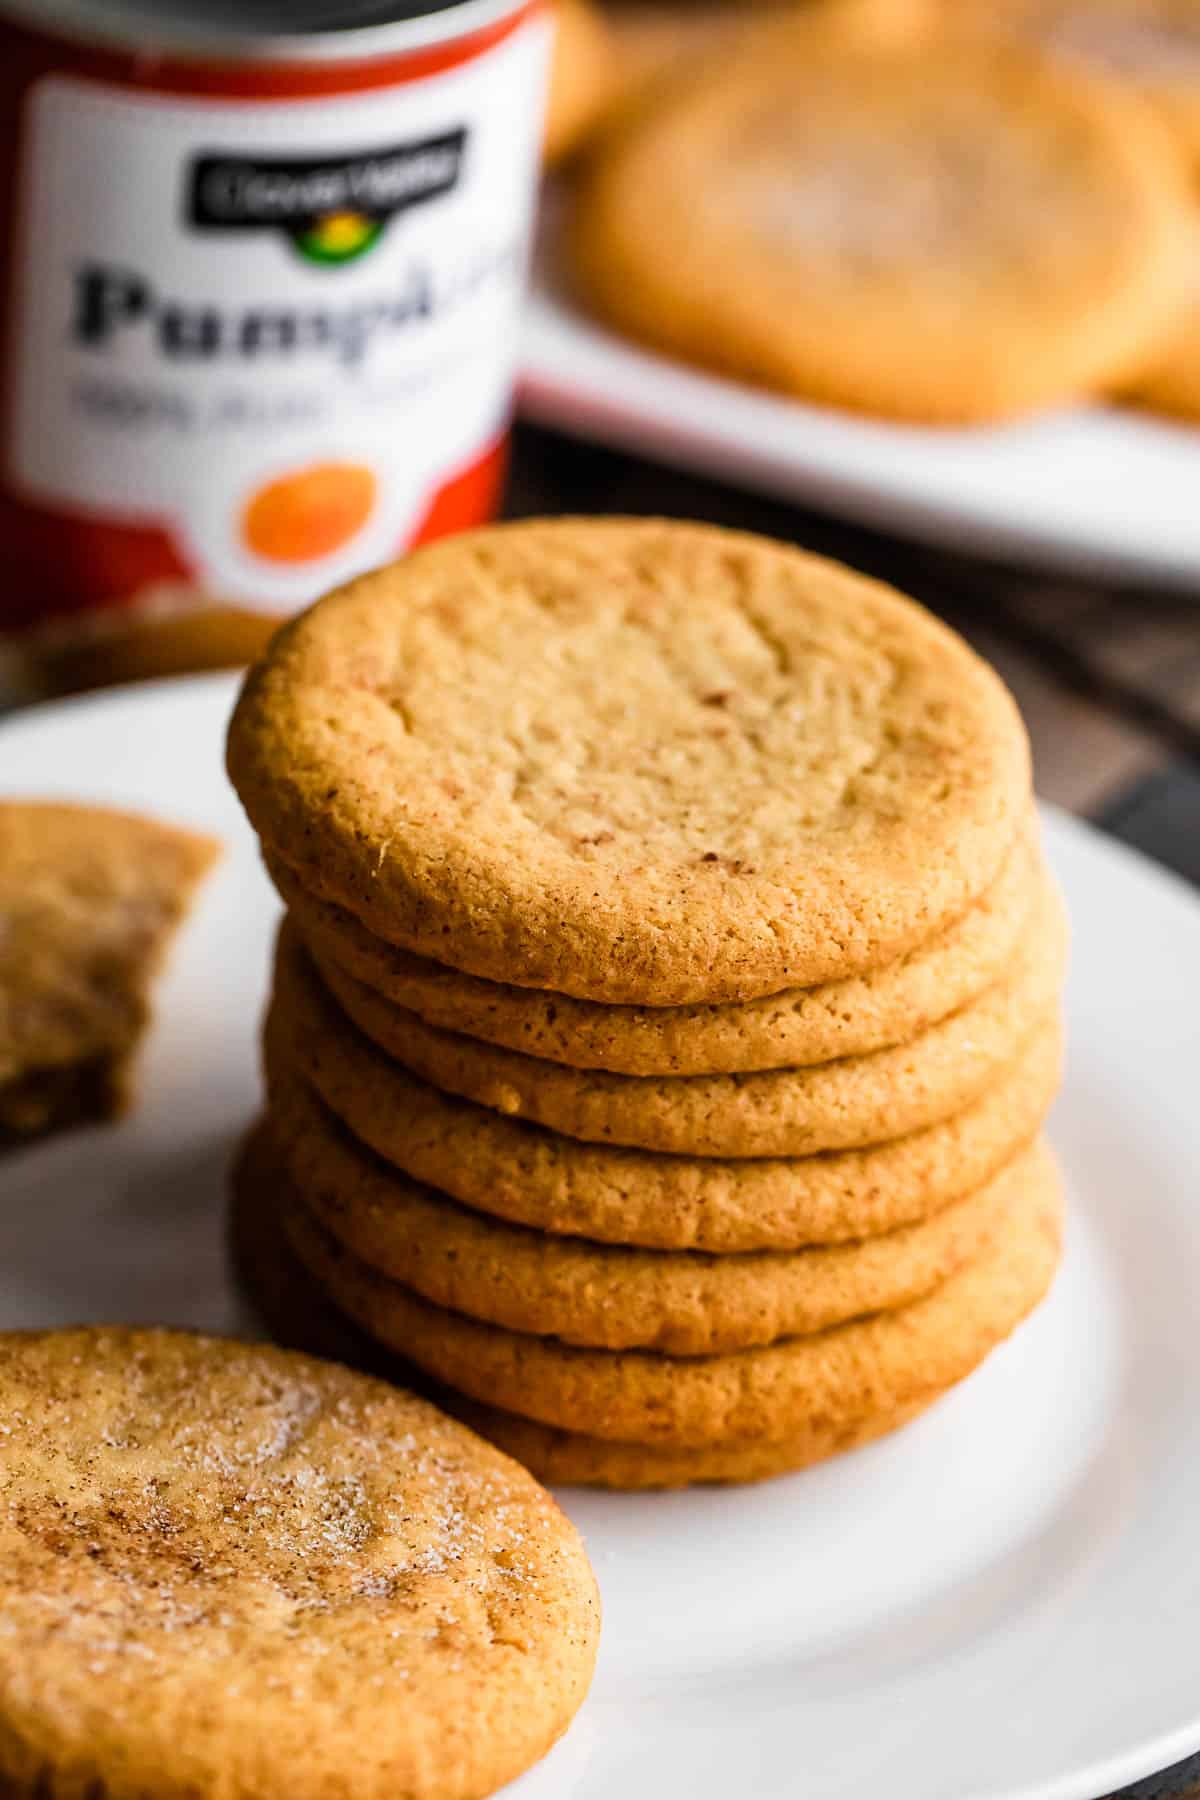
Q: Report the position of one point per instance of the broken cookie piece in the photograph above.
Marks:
(89, 902)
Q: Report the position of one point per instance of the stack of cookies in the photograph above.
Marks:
(666, 1009)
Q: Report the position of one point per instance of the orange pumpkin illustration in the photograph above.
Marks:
(309, 513)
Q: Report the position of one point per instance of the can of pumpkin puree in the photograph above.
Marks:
(264, 263)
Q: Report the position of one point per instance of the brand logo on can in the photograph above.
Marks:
(332, 210)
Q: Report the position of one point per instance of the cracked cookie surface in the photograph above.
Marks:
(948, 233)
(633, 761)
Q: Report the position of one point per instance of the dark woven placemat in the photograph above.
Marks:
(1180, 1783)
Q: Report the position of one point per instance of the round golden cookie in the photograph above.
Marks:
(943, 236)
(633, 761)
(787, 1030)
(1150, 47)
(602, 1295)
(871, 1366)
(583, 76)
(295, 1309)
(532, 1177)
(780, 1112)
(228, 1571)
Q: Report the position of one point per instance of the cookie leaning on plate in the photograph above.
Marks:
(296, 1310)
(633, 761)
(945, 233)
(787, 1030)
(522, 1173)
(229, 1571)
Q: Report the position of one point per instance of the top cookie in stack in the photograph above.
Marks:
(635, 763)
(668, 1002)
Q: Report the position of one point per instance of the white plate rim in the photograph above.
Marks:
(580, 378)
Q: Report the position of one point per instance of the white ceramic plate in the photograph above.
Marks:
(1096, 491)
(1001, 1601)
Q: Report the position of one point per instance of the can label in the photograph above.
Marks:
(271, 331)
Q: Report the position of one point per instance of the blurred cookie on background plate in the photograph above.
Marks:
(1170, 381)
(654, 37)
(953, 237)
(1149, 46)
(583, 76)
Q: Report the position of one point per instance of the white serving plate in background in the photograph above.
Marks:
(1097, 491)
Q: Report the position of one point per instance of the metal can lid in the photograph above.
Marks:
(260, 30)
